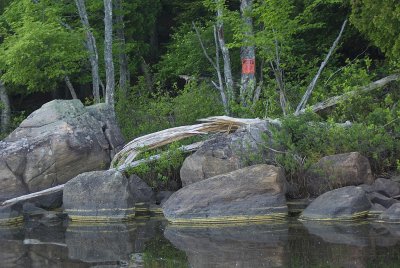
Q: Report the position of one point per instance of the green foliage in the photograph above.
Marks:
(39, 51)
(140, 114)
(162, 173)
(380, 21)
(159, 252)
(308, 138)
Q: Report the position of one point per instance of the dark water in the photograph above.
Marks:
(154, 243)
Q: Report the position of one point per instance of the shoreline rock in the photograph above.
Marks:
(255, 193)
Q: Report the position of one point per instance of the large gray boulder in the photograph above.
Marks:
(54, 144)
(249, 194)
(347, 203)
(226, 153)
(99, 196)
(104, 196)
(336, 171)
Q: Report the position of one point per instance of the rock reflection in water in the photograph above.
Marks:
(100, 243)
(351, 234)
(256, 245)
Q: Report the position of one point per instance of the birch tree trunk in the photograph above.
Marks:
(91, 46)
(70, 87)
(310, 88)
(108, 57)
(124, 77)
(5, 109)
(225, 52)
(247, 54)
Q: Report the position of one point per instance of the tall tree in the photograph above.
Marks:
(247, 54)
(220, 5)
(108, 55)
(92, 48)
(5, 108)
(124, 76)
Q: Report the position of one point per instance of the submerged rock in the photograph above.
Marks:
(347, 203)
(391, 215)
(336, 171)
(226, 153)
(54, 144)
(11, 214)
(249, 194)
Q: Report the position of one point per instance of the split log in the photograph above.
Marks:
(218, 124)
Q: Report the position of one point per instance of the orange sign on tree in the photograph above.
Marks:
(248, 66)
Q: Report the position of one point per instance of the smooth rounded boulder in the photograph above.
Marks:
(54, 144)
(98, 196)
(347, 203)
(254, 193)
(226, 153)
(336, 171)
(104, 196)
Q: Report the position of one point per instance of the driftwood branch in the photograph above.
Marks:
(33, 195)
(167, 136)
(313, 83)
(337, 99)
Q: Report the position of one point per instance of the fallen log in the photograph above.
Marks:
(337, 99)
(55, 189)
(122, 168)
(217, 124)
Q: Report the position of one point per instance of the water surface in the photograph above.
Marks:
(155, 243)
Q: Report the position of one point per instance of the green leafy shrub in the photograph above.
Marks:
(140, 113)
(307, 138)
(162, 173)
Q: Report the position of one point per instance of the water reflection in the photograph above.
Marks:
(154, 243)
(257, 245)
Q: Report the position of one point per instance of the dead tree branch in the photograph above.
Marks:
(313, 83)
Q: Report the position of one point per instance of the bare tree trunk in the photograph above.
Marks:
(91, 46)
(5, 109)
(225, 52)
(278, 73)
(70, 87)
(247, 55)
(108, 57)
(216, 66)
(124, 77)
(311, 87)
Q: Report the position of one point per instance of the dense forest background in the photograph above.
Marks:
(170, 66)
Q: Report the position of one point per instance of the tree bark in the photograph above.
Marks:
(108, 56)
(225, 52)
(91, 46)
(216, 67)
(247, 55)
(311, 87)
(70, 87)
(5, 109)
(124, 76)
